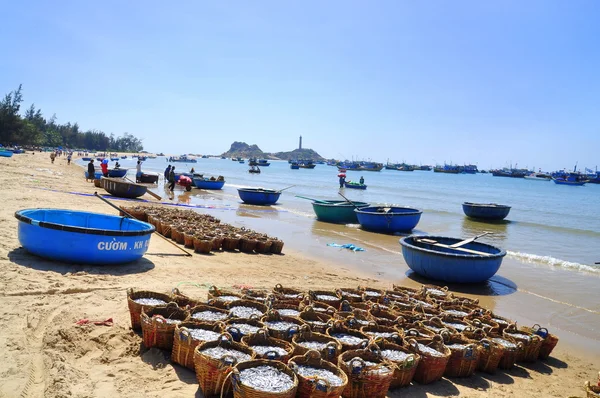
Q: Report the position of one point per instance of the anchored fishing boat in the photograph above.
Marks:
(388, 219)
(538, 177)
(485, 211)
(123, 189)
(450, 259)
(259, 196)
(82, 237)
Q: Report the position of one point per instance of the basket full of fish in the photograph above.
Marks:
(262, 378)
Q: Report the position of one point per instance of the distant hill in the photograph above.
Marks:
(243, 150)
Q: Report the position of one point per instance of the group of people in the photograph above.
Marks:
(54, 154)
(170, 177)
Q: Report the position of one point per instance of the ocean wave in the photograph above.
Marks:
(556, 262)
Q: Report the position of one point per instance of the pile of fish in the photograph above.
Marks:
(202, 232)
(393, 324)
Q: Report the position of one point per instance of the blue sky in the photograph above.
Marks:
(486, 82)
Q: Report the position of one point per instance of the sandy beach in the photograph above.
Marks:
(47, 355)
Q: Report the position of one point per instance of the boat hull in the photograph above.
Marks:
(86, 159)
(485, 211)
(396, 219)
(294, 167)
(97, 175)
(566, 182)
(123, 189)
(208, 184)
(148, 178)
(449, 265)
(6, 154)
(257, 196)
(337, 211)
(117, 173)
(82, 237)
(355, 186)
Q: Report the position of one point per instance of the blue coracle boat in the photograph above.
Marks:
(388, 219)
(86, 159)
(97, 175)
(337, 211)
(206, 183)
(82, 237)
(451, 259)
(6, 154)
(259, 196)
(117, 173)
(485, 211)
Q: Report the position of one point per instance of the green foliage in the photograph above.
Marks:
(33, 129)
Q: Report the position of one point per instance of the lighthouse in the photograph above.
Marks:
(300, 144)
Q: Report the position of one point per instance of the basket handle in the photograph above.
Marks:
(254, 316)
(233, 332)
(292, 330)
(278, 287)
(445, 334)
(477, 322)
(414, 345)
(332, 348)
(263, 334)
(172, 306)
(184, 334)
(330, 310)
(469, 351)
(320, 384)
(356, 365)
(375, 307)
(214, 290)
(219, 326)
(305, 330)
(228, 360)
(485, 343)
(374, 348)
(373, 324)
(308, 309)
(176, 291)
(312, 354)
(413, 332)
(158, 319)
(272, 355)
(129, 291)
(345, 306)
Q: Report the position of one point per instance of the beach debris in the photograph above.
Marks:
(106, 322)
(348, 246)
(266, 379)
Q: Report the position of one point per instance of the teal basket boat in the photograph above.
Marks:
(337, 211)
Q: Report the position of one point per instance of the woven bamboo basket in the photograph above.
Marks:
(418, 332)
(248, 303)
(404, 371)
(375, 331)
(425, 312)
(486, 324)
(276, 246)
(372, 294)
(317, 306)
(334, 300)
(212, 373)
(431, 368)
(231, 243)
(184, 343)
(383, 317)
(98, 184)
(179, 236)
(435, 325)
(247, 244)
(151, 218)
(457, 311)
(157, 327)
(159, 225)
(591, 390)
(318, 322)
(202, 244)
(135, 309)
(188, 239)
(509, 355)
(288, 294)
(289, 333)
(137, 212)
(238, 333)
(182, 300)
(339, 327)
(366, 381)
(351, 295)
(262, 338)
(490, 352)
(464, 355)
(435, 291)
(217, 242)
(502, 322)
(214, 293)
(262, 296)
(549, 341)
(241, 390)
(280, 306)
(409, 291)
(263, 246)
(331, 350)
(207, 307)
(166, 230)
(531, 343)
(314, 387)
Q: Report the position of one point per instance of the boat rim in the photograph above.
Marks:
(87, 231)
(263, 190)
(341, 203)
(415, 211)
(494, 205)
(118, 181)
(404, 243)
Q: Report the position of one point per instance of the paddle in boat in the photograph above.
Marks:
(211, 183)
(388, 219)
(450, 259)
(122, 188)
(485, 211)
(82, 237)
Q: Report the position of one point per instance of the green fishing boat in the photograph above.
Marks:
(337, 211)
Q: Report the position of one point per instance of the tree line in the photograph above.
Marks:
(33, 129)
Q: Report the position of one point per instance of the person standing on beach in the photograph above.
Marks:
(138, 174)
(69, 159)
(172, 179)
(167, 171)
(52, 156)
(91, 171)
(104, 167)
(342, 181)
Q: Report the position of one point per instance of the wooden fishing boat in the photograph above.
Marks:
(294, 166)
(337, 211)
(82, 237)
(207, 183)
(263, 162)
(485, 211)
(123, 189)
(254, 171)
(388, 219)
(563, 181)
(117, 173)
(354, 185)
(450, 259)
(259, 196)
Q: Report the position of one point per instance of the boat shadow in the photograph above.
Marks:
(495, 286)
(23, 258)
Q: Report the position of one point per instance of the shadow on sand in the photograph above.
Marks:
(22, 257)
(495, 286)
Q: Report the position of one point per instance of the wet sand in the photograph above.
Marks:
(46, 354)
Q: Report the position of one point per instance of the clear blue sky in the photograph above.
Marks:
(488, 82)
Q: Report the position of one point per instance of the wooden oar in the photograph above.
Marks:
(464, 242)
(281, 190)
(325, 202)
(130, 216)
(147, 190)
(348, 200)
(460, 249)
